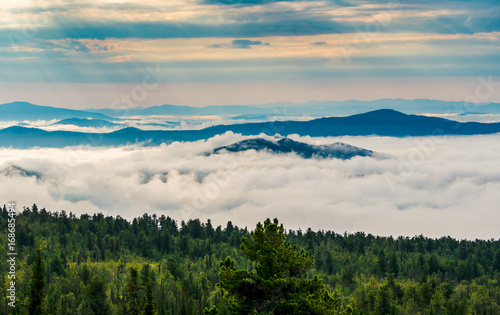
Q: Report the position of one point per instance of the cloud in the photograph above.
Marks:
(238, 19)
(109, 42)
(69, 45)
(246, 43)
(277, 18)
(430, 186)
(239, 43)
(217, 45)
(243, 2)
(161, 29)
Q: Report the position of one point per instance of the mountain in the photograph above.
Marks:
(21, 111)
(382, 122)
(311, 108)
(176, 110)
(12, 170)
(336, 150)
(85, 122)
(167, 124)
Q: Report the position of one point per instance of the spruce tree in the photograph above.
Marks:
(149, 304)
(383, 302)
(36, 295)
(496, 260)
(133, 288)
(279, 284)
(96, 297)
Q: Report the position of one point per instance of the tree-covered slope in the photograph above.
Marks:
(178, 266)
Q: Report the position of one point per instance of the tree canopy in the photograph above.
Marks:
(68, 264)
(279, 284)
(36, 297)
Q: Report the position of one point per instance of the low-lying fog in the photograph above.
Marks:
(431, 186)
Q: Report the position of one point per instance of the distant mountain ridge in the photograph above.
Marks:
(380, 122)
(312, 108)
(177, 110)
(85, 122)
(336, 150)
(20, 111)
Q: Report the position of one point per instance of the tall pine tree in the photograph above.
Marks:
(280, 284)
(96, 299)
(133, 288)
(149, 304)
(36, 295)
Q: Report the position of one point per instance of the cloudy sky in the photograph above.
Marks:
(82, 54)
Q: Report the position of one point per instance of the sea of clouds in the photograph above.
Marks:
(153, 122)
(435, 186)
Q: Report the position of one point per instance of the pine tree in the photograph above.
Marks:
(96, 297)
(36, 296)
(496, 261)
(133, 288)
(394, 265)
(149, 304)
(280, 284)
(383, 303)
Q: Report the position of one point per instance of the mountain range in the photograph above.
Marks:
(384, 122)
(312, 108)
(23, 111)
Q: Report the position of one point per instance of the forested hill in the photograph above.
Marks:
(88, 261)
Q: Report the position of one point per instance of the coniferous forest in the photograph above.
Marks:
(97, 264)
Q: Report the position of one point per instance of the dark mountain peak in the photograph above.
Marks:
(128, 130)
(382, 113)
(12, 170)
(285, 145)
(386, 111)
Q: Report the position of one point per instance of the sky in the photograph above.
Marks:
(424, 185)
(83, 54)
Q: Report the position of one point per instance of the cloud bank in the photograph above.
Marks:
(430, 186)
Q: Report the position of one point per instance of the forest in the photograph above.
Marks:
(99, 264)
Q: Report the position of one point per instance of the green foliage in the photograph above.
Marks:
(279, 284)
(211, 311)
(365, 273)
(96, 297)
(149, 304)
(496, 262)
(383, 304)
(36, 296)
(132, 289)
